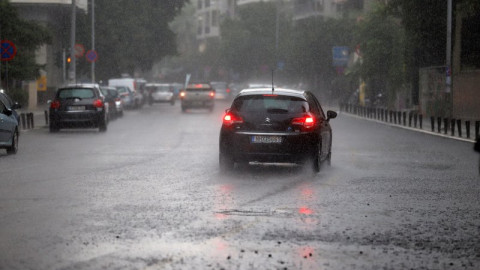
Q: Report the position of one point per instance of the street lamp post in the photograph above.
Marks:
(72, 67)
(93, 39)
(448, 82)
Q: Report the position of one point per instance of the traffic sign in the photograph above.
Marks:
(79, 50)
(340, 56)
(8, 50)
(91, 56)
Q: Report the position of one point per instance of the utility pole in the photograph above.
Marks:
(448, 81)
(72, 69)
(93, 39)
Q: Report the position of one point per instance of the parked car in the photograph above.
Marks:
(10, 104)
(135, 85)
(160, 92)
(9, 134)
(127, 96)
(198, 95)
(79, 106)
(115, 103)
(275, 126)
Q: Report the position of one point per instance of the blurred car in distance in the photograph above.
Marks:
(160, 92)
(9, 133)
(115, 103)
(79, 106)
(222, 91)
(134, 85)
(275, 126)
(127, 96)
(198, 95)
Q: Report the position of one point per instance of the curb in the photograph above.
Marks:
(409, 128)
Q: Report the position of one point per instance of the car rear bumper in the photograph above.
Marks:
(294, 147)
(162, 98)
(77, 119)
(197, 103)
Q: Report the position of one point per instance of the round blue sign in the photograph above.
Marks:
(91, 56)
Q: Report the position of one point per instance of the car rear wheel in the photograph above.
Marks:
(53, 127)
(329, 159)
(316, 160)
(226, 163)
(14, 147)
(102, 126)
(184, 109)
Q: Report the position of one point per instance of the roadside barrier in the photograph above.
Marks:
(46, 117)
(27, 121)
(447, 126)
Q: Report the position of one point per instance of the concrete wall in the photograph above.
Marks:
(466, 95)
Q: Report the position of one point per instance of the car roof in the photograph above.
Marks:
(85, 85)
(157, 84)
(277, 91)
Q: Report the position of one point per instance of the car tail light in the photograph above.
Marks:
(55, 104)
(231, 118)
(212, 94)
(228, 90)
(98, 103)
(182, 94)
(306, 121)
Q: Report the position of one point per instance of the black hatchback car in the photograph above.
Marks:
(275, 126)
(79, 106)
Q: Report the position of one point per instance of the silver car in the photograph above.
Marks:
(160, 92)
(8, 129)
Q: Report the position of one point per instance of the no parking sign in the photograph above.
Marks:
(8, 50)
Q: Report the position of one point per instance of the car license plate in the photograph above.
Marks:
(76, 108)
(266, 139)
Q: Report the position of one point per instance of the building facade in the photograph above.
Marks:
(209, 14)
(56, 16)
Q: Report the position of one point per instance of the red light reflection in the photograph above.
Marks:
(305, 210)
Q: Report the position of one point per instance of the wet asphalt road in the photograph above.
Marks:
(147, 194)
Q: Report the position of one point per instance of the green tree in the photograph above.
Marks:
(27, 37)
(382, 43)
(248, 42)
(132, 35)
(310, 51)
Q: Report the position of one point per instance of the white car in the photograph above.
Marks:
(160, 92)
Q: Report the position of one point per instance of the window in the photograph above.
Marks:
(199, 5)
(76, 93)
(271, 104)
(207, 22)
(200, 26)
(214, 17)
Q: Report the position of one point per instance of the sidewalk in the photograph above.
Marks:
(39, 120)
(423, 125)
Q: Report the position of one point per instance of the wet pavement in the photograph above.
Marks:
(148, 194)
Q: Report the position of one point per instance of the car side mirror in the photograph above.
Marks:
(331, 115)
(7, 112)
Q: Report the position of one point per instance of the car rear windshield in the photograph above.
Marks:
(270, 103)
(122, 89)
(76, 93)
(199, 89)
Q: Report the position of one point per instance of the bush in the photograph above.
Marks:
(18, 95)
